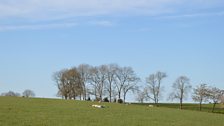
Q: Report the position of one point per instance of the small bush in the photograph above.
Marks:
(106, 100)
(120, 101)
(88, 99)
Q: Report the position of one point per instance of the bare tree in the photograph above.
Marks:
(181, 87)
(215, 94)
(154, 85)
(103, 77)
(200, 94)
(121, 76)
(151, 88)
(28, 93)
(98, 78)
(125, 79)
(61, 82)
(131, 85)
(94, 81)
(84, 70)
(11, 93)
(110, 79)
(142, 95)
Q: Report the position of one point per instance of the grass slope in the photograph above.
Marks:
(189, 106)
(51, 112)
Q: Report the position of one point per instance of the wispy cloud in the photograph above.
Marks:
(207, 14)
(61, 11)
(36, 26)
(41, 26)
(104, 23)
(59, 8)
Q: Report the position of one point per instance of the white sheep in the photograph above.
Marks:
(98, 106)
(151, 106)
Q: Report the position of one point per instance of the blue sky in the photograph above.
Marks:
(179, 37)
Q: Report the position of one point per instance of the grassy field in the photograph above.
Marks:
(51, 112)
(205, 107)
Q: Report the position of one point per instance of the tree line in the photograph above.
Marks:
(181, 89)
(26, 93)
(114, 82)
(83, 81)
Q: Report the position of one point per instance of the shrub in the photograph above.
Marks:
(120, 101)
(106, 100)
(88, 99)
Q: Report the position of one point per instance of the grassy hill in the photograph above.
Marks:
(50, 112)
(189, 106)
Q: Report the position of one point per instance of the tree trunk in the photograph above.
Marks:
(213, 108)
(141, 101)
(124, 97)
(110, 92)
(157, 93)
(200, 106)
(84, 92)
(119, 95)
(181, 103)
(101, 99)
(154, 95)
(181, 99)
(110, 97)
(156, 104)
(95, 94)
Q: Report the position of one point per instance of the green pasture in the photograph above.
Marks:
(189, 106)
(54, 112)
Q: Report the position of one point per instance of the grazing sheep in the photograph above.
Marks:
(98, 106)
(151, 106)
